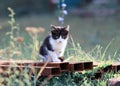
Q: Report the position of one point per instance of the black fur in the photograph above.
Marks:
(45, 47)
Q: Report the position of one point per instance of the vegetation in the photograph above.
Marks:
(19, 46)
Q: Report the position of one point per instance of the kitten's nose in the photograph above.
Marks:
(60, 41)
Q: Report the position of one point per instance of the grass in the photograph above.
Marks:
(22, 42)
(86, 31)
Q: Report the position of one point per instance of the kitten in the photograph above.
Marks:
(54, 45)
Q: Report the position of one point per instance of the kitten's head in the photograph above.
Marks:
(59, 33)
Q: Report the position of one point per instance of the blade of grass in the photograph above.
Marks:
(41, 70)
(104, 53)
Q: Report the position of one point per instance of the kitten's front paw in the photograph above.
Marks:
(61, 59)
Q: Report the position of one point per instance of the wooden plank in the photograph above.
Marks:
(64, 66)
(47, 71)
(88, 65)
(116, 67)
(76, 66)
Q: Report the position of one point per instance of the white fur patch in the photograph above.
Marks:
(59, 45)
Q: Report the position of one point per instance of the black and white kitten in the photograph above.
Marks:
(54, 45)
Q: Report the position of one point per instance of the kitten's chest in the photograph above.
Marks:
(58, 46)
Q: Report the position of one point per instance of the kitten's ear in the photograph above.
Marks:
(67, 27)
(53, 27)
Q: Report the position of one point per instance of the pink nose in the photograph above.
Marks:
(60, 41)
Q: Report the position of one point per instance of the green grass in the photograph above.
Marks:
(91, 39)
(86, 31)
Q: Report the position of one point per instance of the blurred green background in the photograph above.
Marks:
(92, 22)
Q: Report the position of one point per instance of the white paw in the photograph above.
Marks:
(56, 60)
(54, 57)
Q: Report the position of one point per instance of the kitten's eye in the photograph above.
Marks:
(64, 37)
(55, 34)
